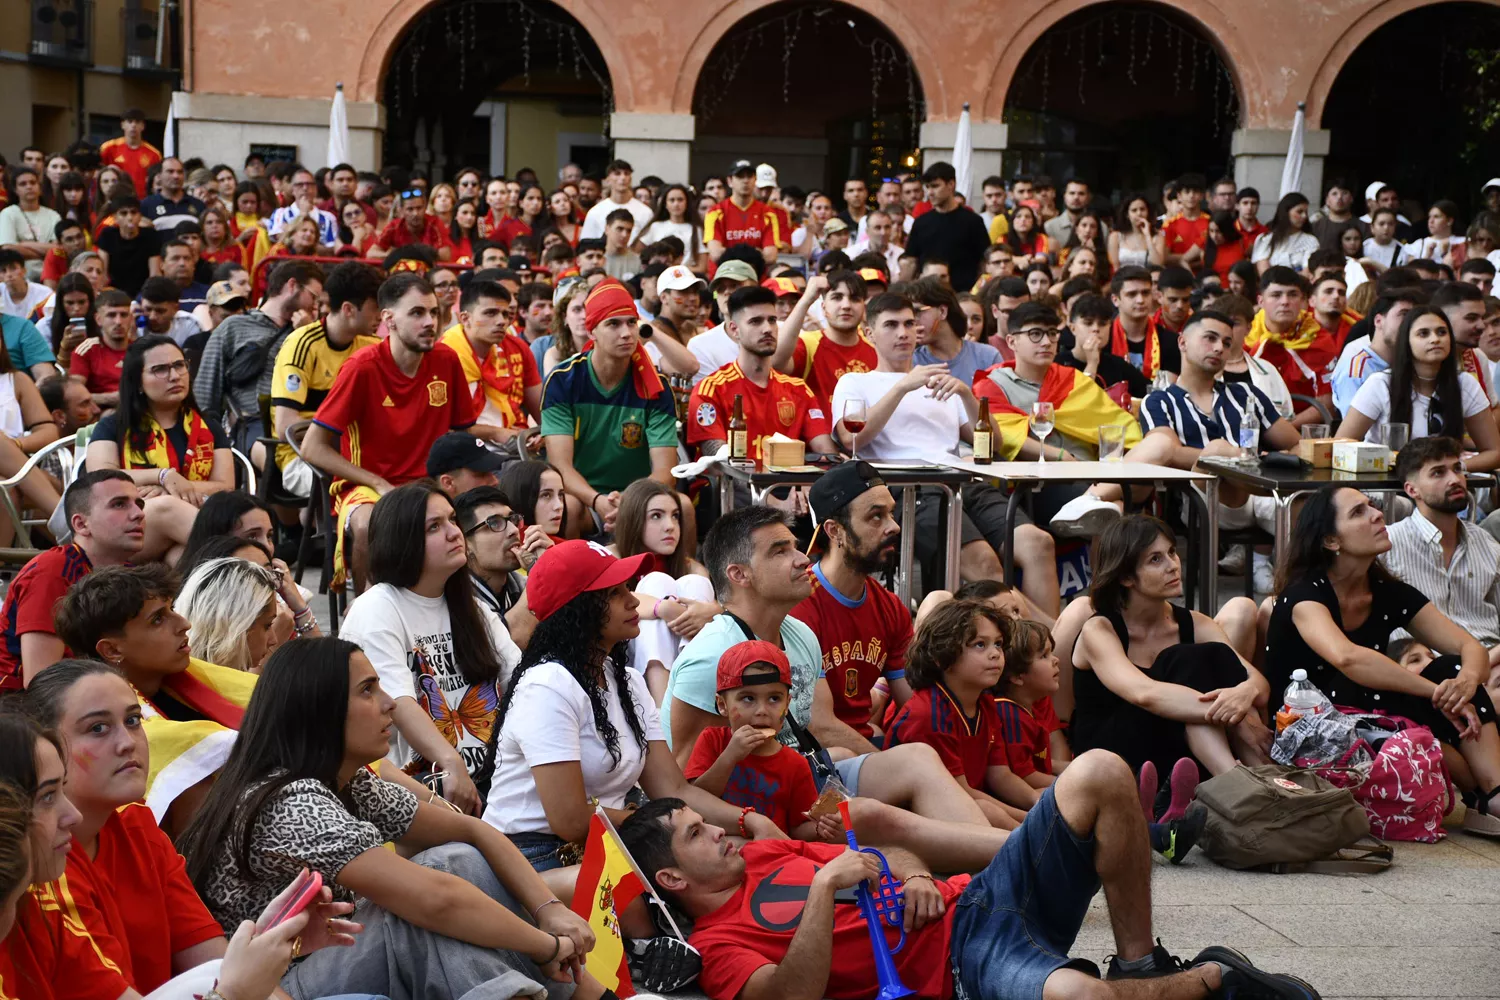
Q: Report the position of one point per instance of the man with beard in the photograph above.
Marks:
(862, 627)
(773, 403)
(1434, 551)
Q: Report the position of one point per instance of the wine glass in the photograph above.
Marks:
(1042, 418)
(854, 422)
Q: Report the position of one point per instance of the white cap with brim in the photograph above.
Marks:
(1373, 191)
(1493, 182)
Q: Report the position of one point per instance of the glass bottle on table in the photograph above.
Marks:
(854, 423)
(739, 435)
(1042, 418)
(984, 434)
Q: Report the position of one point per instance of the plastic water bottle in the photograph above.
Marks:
(1302, 698)
(140, 325)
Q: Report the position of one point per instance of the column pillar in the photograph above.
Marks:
(1260, 155)
(988, 140)
(659, 144)
(221, 127)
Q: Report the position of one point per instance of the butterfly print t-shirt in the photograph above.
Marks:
(409, 640)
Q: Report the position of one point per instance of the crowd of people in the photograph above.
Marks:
(505, 396)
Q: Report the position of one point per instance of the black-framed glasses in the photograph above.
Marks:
(1037, 335)
(497, 523)
(445, 286)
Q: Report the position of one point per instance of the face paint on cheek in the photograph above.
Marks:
(84, 759)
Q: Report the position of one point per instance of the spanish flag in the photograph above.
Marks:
(608, 881)
(1080, 406)
(184, 753)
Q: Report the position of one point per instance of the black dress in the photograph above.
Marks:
(1393, 604)
(1103, 720)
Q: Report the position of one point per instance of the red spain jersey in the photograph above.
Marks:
(779, 787)
(785, 406)
(50, 935)
(783, 225)
(753, 225)
(862, 638)
(968, 747)
(388, 421)
(135, 162)
(1181, 233)
(820, 361)
(396, 234)
(135, 894)
(1026, 734)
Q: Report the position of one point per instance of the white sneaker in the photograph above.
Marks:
(1233, 562)
(1084, 517)
(1265, 576)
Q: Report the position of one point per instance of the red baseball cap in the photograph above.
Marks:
(751, 662)
(572, 568)
(781, 286)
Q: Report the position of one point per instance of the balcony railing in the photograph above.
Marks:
(62, 31)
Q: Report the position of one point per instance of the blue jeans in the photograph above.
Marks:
(540, 849)
(1018, 918)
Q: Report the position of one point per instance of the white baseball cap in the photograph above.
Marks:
(676, 278)
(1493, 182)
(1373, 191)
(765, 176)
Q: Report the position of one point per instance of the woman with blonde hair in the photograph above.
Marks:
(231, 604)
(569, 333)
(301, 239)
(442, 202)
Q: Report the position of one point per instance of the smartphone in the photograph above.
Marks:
(305, 889)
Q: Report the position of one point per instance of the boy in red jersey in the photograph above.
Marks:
(1186, 232)
(1029, 728)
(862, 627)
(389, 403)
(773, 403)
(130, 151)
(821, 357)
(741, 218)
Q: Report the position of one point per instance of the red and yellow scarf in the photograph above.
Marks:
(1119, 346)
(152, 449)
(493, 375)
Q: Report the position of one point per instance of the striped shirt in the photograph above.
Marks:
(1236, 404)
(1466, 588)
(1358, 362)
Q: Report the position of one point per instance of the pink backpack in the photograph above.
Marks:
(1405, 789)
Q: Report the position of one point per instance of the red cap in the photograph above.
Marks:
(753, 658)
(781, 286)
(571, 568)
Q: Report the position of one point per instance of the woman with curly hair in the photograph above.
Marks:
(577, 727)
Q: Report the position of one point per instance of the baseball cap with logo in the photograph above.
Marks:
(765, 176)
(572, 568)
(733, 270)
(741, 168)
(781, 286)
(221, 293)
(835, 225)
(755, 661)
(838, 488)
(676, 278)
(873, 274)
(461, 450)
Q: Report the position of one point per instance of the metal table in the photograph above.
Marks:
(904, 477)
(1021, 477)
(1287, 485)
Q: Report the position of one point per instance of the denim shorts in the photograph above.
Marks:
(540, 849)
(1018, 918)
(849, 769)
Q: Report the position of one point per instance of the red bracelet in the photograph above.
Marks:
(743, 813)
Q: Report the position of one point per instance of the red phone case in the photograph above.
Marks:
(305, 890)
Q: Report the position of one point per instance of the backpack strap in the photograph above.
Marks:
(1365, 856)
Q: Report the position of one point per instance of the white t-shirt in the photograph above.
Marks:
(551, 721)
(1291, 252)
(714, 350)
(593, 223)
(391, 624)
(920, 428)
(1393, 254)
(17, 226)
(38, 299)
(659, 230)
(1374, 400)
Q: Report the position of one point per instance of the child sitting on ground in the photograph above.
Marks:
(1411, 654)
(1034, 741)
(957, 656)
(742, 762)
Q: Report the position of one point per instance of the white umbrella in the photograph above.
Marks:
(169, 138)
(963, 154)
(338, 129)
(1291, 171)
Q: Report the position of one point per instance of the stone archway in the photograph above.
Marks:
(1128, 94)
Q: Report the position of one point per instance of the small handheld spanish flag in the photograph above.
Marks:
(608, 881)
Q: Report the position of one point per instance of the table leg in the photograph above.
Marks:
(1207, 503)
(908, 543)
(955, 537)
(1010, 533)
(726, 493)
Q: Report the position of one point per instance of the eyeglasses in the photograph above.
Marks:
(178, 367)
(497, 523)
(1036, 336)
(445, 286)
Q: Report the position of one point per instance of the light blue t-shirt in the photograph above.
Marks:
(25, 343)
(695, 672)
(1353, 368)
(971, 357)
